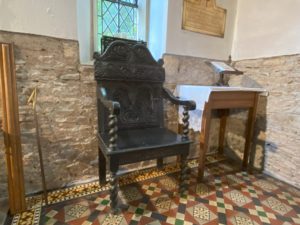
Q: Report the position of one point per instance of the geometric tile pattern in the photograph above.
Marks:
(131, 193)
(151, 188)
(235, 198)
(203, 190)
(113, 220)
(202, 214)
(265, 185)
(277, 205)
(168, 183)
(163, 203)
(238, 197)
(75, 211)
(242, 219)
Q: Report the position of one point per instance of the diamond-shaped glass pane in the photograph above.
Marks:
(110, 18)
(117, 18)
(128, 21)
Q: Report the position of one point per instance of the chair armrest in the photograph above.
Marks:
(114, 109)
(113, 106)
(189, 104)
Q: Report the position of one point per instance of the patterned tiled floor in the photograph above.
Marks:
(236, 198)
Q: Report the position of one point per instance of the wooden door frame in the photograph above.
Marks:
(11, 129)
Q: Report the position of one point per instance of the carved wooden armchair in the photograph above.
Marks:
(131, 128)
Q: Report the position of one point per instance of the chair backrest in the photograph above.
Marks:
(132, 77)
(106, 40)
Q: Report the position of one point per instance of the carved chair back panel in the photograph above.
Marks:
(132, 77)
(141, 104)
(122, 62)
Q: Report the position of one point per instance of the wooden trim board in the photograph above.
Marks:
(11, 129)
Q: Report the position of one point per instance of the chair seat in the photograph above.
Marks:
(148, 138)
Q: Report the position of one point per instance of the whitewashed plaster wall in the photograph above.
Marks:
(157, 33)
(266, 28)
(63, 19)
(54, 18)
(183, 42)
(262, 28)
(85, 30)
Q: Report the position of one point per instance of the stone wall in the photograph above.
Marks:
(188, 70)
(278, 124)
(66, 111)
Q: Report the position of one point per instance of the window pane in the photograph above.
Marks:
(118, 18)
(128, 22)
(110, 18)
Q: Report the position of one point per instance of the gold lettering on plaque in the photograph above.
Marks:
(204, 16)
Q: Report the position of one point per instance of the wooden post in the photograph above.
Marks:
(249, 131)
(11, 130)
(223, 113)
(204, 139)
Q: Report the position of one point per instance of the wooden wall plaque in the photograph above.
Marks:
(204, 16)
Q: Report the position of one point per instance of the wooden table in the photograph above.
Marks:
(223, 101)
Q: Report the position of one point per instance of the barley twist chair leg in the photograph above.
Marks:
(114, 193)
(184, 175)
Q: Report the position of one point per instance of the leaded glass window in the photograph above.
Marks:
(117, 18)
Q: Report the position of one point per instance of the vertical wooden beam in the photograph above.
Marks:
(249, 131)
(204, 138)
(11, 130)
(223, 113)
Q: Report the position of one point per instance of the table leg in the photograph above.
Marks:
(102, 167)
(223, 113)
(160, 163)
(114, 183)
(204, 139)
(249, 132)
(184, 175)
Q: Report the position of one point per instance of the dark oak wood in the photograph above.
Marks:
(102, 167)
(223, 101)
(131, 127)
(107, 40)
(11, 130)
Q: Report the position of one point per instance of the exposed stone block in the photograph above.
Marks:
(74, 76)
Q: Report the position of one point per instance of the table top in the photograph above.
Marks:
(221, 88)
(201, 94)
